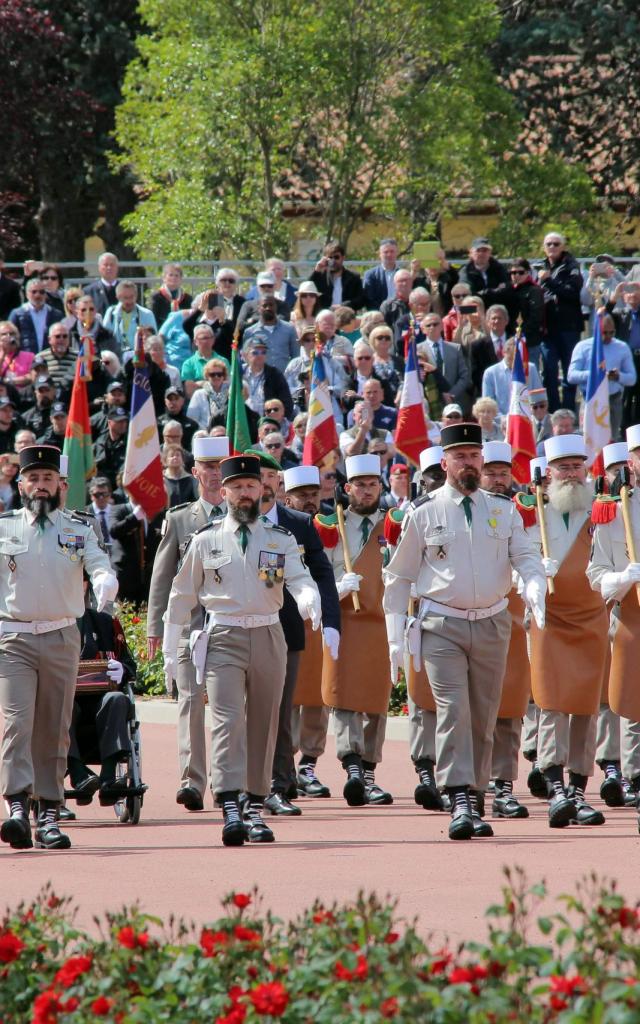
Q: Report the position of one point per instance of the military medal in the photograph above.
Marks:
(271, 567)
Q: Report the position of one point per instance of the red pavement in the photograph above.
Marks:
(173, 861)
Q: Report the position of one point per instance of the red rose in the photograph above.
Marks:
(11, 947)
(460, 976)
(101, 1006)
(241, 900)
(235, 1016)
(72, 969)
(568, 986)
(390, 938)
(557, 1003)
(246, 934)
(389, 1007)
(211, 942)
(127, 937)
(323, 917)
(405, 709)
(53, 901)
(135, 620)
(71, 1004)
(362, 969)
(628, 917)
(342, 973)
(442, 960)
(252, 971)
(270, 999)
(46, 1008)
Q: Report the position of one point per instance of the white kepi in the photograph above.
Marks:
(616, 452)
(496, 451)
(301, 476)
(431, 456)
(210, 449)
(362, 465)
(564, 446)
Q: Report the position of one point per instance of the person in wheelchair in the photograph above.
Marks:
(99, 727)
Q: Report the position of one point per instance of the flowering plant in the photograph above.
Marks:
(332, 965)
(150, 673)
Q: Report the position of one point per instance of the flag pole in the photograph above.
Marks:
(543, 523)
(348, 564)
(626, 518)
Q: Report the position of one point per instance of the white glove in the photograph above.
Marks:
(105, 587)
(349, 584)
(115, 671)
(308, 602)
(171, 636)
(550, 566)
(395, 635)
(138, 512)
(616, 585)
(535, 593)
(331, 639)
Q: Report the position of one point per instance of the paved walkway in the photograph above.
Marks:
(173, 861)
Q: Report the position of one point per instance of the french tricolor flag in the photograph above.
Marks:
(597, 421)
(519, 424)
(321, 436)
(142, 475)
(411, 435)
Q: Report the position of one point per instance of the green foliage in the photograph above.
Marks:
(355, 962)
(233, 109)
(548, 194)
(149, 672)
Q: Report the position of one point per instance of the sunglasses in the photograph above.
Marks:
(553, 244)
(226, 280)
(215, 373)
(37, 291)
(100, 494)
(272, 447)
(60, 334)
(271, 408)
(517, 273)
(384, 337)
(363, 359)
(459, 295)
(330, 476)
(50, 277)
(431, 323)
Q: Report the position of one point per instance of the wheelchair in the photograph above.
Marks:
(129, 767)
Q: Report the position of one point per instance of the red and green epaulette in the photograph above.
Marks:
(327, 527)
(604, 509)
(527, 507)
(393, 525)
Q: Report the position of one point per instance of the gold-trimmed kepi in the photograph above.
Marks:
(461, 434)
(40, 456)
(240, 465)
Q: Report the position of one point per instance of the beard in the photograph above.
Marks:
(41, 507)
(569, 496)
(364, 510)
(499, 489)
(469, 479)
(243, 514)
(268, 495)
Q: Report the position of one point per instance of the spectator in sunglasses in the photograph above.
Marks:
(524, 298)
(34, 318)
(213, 396)
(274, 445)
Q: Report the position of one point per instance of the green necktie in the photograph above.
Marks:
(438, 355)
(244, 536)
(467, 505)
(366, 529)
(565, 516)
(215, 511)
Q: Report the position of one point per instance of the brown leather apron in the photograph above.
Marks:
(624, 679)
(569, 656)
(308, 691)
(516, 686)
(360, 679)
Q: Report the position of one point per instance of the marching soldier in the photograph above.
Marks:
(309, 717)
(497, 478)
(44, 549)
(236, 568)
(569, 659)
(612, 572)
(458, 549)
(302, 528)
(180, 524)
(354, 687)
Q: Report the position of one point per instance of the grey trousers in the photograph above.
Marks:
(630, 748)
(506, 748)
(359, 733)
(567, 740)
(284, 772)
(465, 662)
(192, 751)
(38, 676)
(530, 728)
(309, 729)
(245, 671)
(422, 732)
(607, 736)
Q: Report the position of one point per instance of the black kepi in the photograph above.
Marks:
(240, 465)
(40, 456)
(461, 434)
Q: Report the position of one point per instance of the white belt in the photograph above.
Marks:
(244, 621)
(13, 626)
(472, 614)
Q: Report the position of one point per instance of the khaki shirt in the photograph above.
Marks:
(559, 536)
(353, 530)
(215, 573)
(41, 570)
(179, 525)
(609, 549)
(456, 564)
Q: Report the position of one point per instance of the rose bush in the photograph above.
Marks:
(335, 964)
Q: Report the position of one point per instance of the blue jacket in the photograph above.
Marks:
(302, 528)
(375, 287)
(21, 317)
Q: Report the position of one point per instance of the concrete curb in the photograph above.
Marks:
(162, 711)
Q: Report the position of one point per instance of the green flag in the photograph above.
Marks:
(237, 423)
(78, 445)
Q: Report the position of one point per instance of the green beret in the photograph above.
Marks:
(266, 461)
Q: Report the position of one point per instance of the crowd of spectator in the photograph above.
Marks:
(466, 322)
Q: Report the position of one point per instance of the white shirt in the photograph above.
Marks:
(336, 298)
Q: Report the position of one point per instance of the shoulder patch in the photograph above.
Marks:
(12, 512)
(527, 506)
(505, 497)
(207, 526)
(604, 509)
(176, 508)
(393, 525)
(86, 518)
(422, 500)
(327, 527)
(277, 527)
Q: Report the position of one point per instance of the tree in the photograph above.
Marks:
(66, 59)
(574, 71)
(238, 111)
